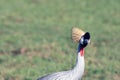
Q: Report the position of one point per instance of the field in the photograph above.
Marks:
(35, 38)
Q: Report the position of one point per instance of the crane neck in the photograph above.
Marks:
(81, 52)
(78, 69)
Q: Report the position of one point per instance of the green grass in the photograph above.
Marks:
(35, 37)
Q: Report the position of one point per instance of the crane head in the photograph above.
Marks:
(85, 40)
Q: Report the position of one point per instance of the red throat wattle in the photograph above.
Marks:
(82, 52)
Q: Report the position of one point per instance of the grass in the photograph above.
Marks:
(35, 37)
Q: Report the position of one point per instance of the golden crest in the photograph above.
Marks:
(77, 34)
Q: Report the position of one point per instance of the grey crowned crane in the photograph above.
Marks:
(77, 72)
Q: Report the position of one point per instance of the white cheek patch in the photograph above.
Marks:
(81, 40)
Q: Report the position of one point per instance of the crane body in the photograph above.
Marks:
(75, 73)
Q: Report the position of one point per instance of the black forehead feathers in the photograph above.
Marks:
(87, 35)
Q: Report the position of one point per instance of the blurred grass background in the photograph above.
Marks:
(35, 37)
